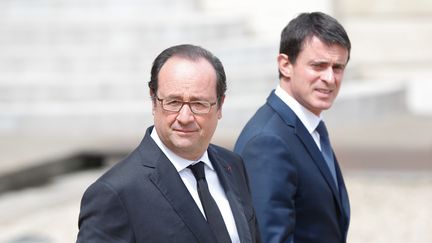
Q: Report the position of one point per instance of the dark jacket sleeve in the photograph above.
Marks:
(273, 183)
(103, 218)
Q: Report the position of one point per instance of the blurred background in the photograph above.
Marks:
(74, 100)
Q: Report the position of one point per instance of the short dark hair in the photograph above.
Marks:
(307, 25)
(193, 53)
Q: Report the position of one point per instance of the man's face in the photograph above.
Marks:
(185, 133)
(314, 79)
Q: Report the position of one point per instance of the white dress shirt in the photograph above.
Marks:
(190, 182)
(309, 119)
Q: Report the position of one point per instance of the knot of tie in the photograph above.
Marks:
(322, 129)
(198, 170)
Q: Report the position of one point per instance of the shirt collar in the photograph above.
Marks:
(309, 119)
(178, 162)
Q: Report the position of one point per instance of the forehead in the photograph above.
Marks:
(314, 48)
(181, 76)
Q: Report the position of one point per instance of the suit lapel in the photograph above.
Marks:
(166, 178)
(317, 157)
(302, 133)
(169, 183)
(223, 171)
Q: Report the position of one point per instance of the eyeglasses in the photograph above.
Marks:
(197, 107)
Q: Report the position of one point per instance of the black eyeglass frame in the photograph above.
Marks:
(206, 104)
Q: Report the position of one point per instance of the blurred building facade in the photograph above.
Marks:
(73, 73)
(73, 91)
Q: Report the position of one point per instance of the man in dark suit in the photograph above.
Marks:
(176, 186)
(297, 187)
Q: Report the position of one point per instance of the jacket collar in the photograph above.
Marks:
(167, 180)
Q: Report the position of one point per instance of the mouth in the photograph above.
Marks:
(184, 131)
(324, 91)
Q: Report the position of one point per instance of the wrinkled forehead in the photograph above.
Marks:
(329, 43)
(314, 46)
(180, 77)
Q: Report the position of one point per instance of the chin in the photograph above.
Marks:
(324, 105)
(183, 143)
(325, 108)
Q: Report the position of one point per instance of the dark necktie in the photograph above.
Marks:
(326, 149)
(211, 210)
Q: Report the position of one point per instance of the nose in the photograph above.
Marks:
(328, 75)
(185, 115)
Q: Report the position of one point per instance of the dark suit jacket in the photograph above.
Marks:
(143, 199)
(293, 192)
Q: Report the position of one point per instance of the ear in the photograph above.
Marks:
(220, 107)
(284, 65)
(153, 100)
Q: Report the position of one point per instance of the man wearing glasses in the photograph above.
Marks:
(176, 186)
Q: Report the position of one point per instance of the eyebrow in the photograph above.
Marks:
(191, 98)
(337, 65)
